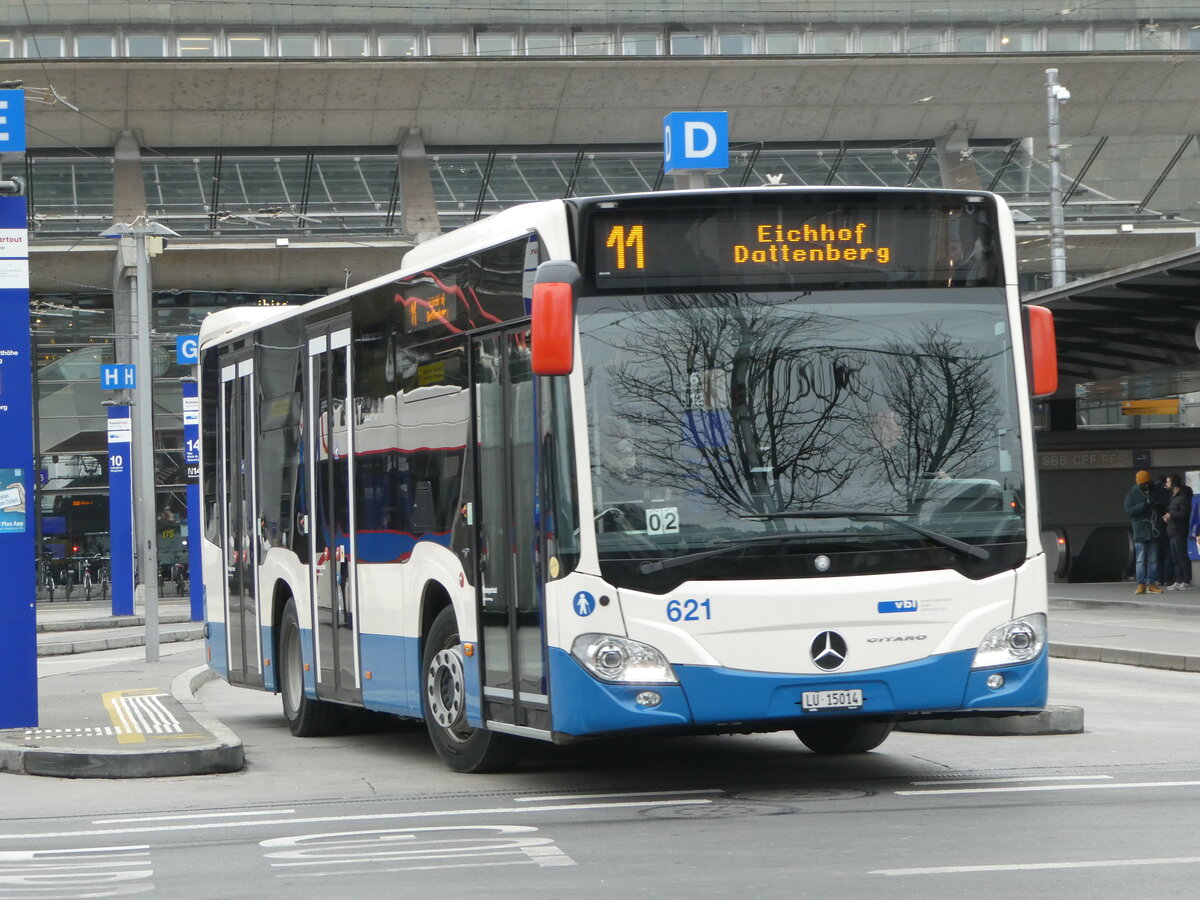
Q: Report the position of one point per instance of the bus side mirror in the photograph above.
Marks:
(1041, 351)
(552, 329)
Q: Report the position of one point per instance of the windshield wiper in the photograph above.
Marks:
(649, 568)
(881, 515)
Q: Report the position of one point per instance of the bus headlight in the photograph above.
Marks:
(617, 659)
(1017, 641)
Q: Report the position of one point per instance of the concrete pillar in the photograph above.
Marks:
(418, 208)
(129, 202)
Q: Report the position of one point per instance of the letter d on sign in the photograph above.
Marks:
(695, 141)
(692, 148)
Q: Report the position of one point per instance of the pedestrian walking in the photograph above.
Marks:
(1145, 505)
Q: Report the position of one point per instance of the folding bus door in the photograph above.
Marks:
(514, 657)
(238, 466)
(332, 545)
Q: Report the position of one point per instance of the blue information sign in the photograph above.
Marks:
(191, 459)
(187, 350)
(12, 122)
(118, 378)
(120, 509)
(18, 614)
(695, 141)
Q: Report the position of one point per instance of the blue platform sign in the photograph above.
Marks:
(187, 350)
(18, 613)
(118, 378)
(695, 141)
(12, 121)
(191, 459)
(120, 509)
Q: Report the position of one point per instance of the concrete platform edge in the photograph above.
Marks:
(1051, 720)
(224, 753)
(1126, 657)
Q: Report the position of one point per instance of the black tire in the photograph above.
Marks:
(305, 716)
(461, 747)
(840, 736)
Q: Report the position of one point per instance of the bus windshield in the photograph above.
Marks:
(748, 420)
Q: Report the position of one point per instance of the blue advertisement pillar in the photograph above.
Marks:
(18, 612)
(191, 458)
(120, 509)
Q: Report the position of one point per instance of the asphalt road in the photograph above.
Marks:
(1107, 813)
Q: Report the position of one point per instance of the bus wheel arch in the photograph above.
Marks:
(279, 600)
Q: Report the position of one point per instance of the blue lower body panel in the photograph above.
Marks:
(708, 696)
(215, 649)
(395, 669)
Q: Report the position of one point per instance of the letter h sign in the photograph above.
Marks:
(695, 141)
(118, 378)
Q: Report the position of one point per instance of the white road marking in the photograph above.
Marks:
(76, 872)
(496, 810)
(406, 849)
(1016, 780)
(618, 794)
(208, 815)
(1015, 867)
(1052, 787)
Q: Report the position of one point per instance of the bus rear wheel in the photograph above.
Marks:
(305, 716)
(461, 747)
(839, 736)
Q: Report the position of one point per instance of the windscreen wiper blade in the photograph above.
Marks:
(882, 515)
(649, 568)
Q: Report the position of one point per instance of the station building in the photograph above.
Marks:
(297, 147)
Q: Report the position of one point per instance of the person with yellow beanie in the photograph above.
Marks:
(1145, 504)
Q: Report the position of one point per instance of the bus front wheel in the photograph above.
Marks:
(461, 747)
(305, 716)
(838, 736)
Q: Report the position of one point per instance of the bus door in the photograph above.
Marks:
(330, 454)
(238, 467)
(510, 594)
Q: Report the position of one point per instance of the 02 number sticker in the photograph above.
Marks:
(662, 521)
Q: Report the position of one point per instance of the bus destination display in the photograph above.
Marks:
(830, 244)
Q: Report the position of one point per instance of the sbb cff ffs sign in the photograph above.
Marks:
(695, 141)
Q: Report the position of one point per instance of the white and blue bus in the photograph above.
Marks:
(696, 462)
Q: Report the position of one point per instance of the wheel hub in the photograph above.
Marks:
(444, 688)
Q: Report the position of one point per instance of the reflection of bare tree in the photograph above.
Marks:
(941, 411)
(745, 404)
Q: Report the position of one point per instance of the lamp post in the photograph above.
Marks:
(1056, 94)
(145, 511)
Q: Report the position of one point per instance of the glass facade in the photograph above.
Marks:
(73, 335)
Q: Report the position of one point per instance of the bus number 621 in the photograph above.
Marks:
(689, 610)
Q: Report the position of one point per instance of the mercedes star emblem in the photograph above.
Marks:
(829, 650)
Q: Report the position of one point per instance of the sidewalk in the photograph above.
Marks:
(132, 719)
(115, 715)
(1108, 623)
